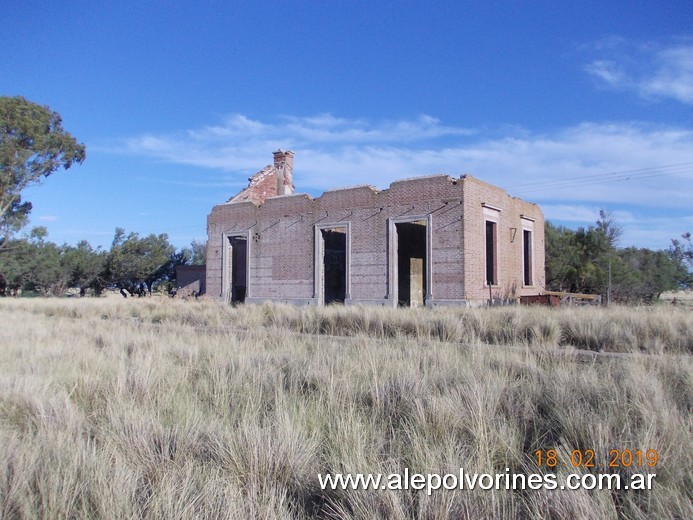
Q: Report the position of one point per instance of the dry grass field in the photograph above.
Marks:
(169, 409)
(679, 298)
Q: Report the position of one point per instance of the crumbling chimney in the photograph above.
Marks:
(284, 163)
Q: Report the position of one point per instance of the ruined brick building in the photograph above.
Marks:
(430, 241)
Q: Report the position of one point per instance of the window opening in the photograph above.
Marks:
(527, 256)
(491, 253)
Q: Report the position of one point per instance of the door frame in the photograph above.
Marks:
(319, 262)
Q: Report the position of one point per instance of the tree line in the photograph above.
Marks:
(134, 265)
(585, 260)
(588, 260)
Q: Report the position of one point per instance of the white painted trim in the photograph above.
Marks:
(486, 205)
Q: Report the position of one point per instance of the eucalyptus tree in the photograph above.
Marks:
(33, 145)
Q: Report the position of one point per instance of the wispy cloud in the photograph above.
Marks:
(601, 163)
(239, 142)
(608, 71)
(578, 214)
(572, 172)
(328, 129)
(674, 76)
(47, 218)
(654, 71)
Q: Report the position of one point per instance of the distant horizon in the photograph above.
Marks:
(576, 108)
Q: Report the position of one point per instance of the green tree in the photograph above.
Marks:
(562, 262)
(682, 250)
(34, 264)
(33, 145)
(84, 266)
(583, 260)
(608, 230)
(46, 274)
(578, 261)
(134, 261)
(199, 252)
(196, 254)
(647, 275)
(15, 261)
(17, 217)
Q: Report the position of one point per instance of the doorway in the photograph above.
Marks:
(236, 272)
(332, 264)
(412, 263)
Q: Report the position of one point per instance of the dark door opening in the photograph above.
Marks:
(334, 265)
(239, 262)
(411, 263)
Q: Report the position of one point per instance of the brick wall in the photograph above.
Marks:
(189, 279)
(281, 249)
(480, 195)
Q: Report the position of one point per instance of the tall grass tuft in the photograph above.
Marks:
(145, 408)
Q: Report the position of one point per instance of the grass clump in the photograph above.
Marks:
(199, 410)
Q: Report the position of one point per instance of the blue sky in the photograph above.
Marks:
(576, 106)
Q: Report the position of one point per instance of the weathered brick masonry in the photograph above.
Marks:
(190, 280)
(422, 241)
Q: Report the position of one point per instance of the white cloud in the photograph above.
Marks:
(326, 128)
(571, 173)
(652, 70)
(654, 232)
(607, 71)
(48, 218)
(674, 75)
(578, 214)
(623, 163)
